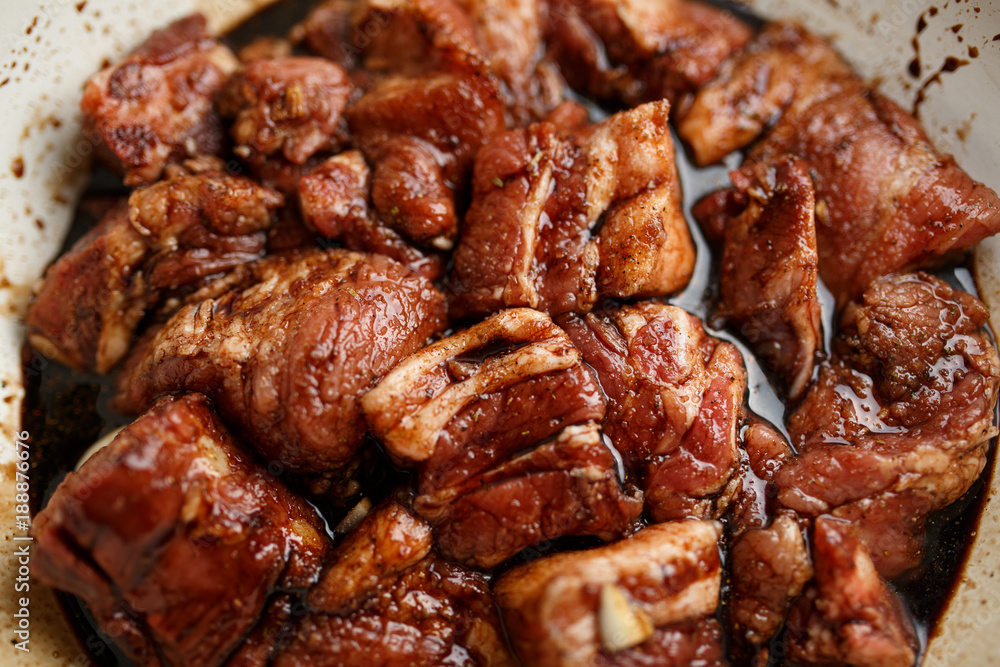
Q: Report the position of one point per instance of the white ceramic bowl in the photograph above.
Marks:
(50, 47)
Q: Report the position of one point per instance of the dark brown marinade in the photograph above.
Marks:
(66, 411)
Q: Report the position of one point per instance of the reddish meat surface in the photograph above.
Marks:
(174, 538)
(386, 600)
(849, 616)
(289, 357)
(576, 608)
(499, 422)
(784, 66)
(635, 51)
(886, 200)
(156, 107)
(169, 237)
(511, 37)
(421, 133)
(334, 200)
(290, 106)
(770, 567)
(328, 31)
(898, 422)
(768, 276)
(557, 222)
(674, 401)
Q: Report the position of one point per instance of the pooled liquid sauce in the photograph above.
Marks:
(65, 411)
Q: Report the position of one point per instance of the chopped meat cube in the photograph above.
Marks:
(784, 66)
(288, 358)
(898, 422)
(171, 235)
(636, 51)
(93, 297)
(334, 202)
(674, 400)
(511, 34)
(498, 420)
(292, 107)
(388, 542)
(199, 225)
(849, 616)
(265, 47)
(156, 107)
(568, 486)
(556, 223)
(768, 277)
(686, 644)
(416, 36)
(770, 567)
(387, 601)
(174, 538)
(886, 201)
(422, 134)
(328, 31)
(616, 604)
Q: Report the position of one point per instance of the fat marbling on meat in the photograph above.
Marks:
(675, 397)
(288, 357)
(174, 538)
(557, 222)
(646, 599)
(156, 107)
(500, 423)
(169, 237)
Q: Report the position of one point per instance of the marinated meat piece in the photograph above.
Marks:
(334, 202)
(886, 201)
(636, 51)
(171, 235)
(688, 644)
(93, 297)
(413, 37)
(511, 34)
(498, 421)
(388, 542)
(292, 107)
(422, 134)
(569, 486)
(266, 47)
(174, 538)
(411, 192)
(770, 566)
(200, 225)
(328, 31)
(386, 600)
(768, 277)
(898, 422)
(849, 617)
(289, 357)
(556, 223)
(674, 400)
(621, 604)
(783, 67)
(156, 107)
